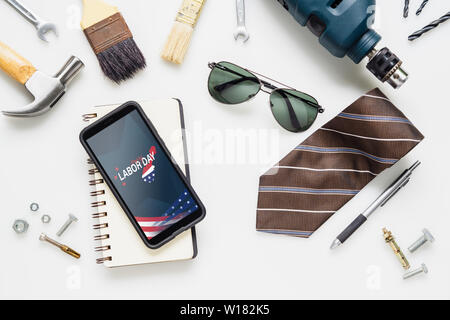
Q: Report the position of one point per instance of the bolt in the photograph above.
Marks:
(427, 236)
(20, 226)
(394, 246)
(413, 273)
(66, 249)
(69, 221)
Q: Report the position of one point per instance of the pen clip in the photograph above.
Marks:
(395, 192)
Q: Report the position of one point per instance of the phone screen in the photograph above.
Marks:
(142, 174)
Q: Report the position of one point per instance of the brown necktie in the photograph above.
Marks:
(328, 169)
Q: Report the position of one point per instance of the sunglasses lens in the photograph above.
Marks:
(231, 84)
(291, 111)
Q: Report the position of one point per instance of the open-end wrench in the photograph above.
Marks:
(42, 26)
(241, 30)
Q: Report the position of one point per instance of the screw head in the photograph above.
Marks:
(428, 235)
(73, 218)
(42, 237)
(20, 226)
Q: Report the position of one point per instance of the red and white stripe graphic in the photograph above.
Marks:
(152, 226)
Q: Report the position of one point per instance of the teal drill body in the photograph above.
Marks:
(342, 26)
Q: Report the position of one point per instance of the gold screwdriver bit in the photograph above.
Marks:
(66, 249)
(398, 252)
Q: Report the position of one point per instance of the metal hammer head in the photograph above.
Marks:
(47, 90)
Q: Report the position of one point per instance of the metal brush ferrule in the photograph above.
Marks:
(190, 11)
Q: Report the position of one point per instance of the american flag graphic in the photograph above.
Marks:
(148, 173)
(181, 207)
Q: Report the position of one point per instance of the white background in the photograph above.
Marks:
(42, 160)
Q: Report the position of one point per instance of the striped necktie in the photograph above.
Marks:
(328, 169)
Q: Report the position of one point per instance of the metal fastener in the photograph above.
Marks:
(69, 221)
(398, 252)
(46, 218)
(427, 236)
(66, 249)
(413, 273)
(20, 226)
(34, 207)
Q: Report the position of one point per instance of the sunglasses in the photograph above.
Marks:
(230, 84)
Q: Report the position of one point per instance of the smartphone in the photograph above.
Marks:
(136, 165)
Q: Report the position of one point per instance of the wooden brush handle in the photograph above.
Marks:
(16, 66)
(95, 11)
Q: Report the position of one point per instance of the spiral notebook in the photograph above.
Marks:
(119, 243)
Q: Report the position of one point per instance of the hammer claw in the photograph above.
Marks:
(34, 109)
(47, 90)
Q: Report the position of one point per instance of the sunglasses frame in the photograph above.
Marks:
(264, 84)
(268, 85)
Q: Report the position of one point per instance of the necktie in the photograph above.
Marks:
(329, 168)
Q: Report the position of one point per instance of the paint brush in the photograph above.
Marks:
(112, 41)
(179, 39)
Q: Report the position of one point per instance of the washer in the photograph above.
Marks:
(34, 207)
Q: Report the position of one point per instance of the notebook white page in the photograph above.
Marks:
(127, 247)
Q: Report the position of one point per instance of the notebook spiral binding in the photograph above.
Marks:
(99, 215)
(89, 116)
(102, 248)
(93, 171)
(98, 204)
(96, 181)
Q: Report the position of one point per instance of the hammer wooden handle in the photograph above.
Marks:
(16, 66)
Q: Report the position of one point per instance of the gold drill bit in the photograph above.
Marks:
(398, 252)
(66, 249)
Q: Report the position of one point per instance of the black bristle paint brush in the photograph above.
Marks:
(112, 41)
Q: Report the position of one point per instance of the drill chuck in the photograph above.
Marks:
(344, 29)
(386, 66)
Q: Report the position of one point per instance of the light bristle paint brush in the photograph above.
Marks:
(179, 39)
(111, 40)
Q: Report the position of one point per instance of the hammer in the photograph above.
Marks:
(46, 90)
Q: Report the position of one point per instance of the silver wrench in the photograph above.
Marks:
(241, 30)
(42, 26)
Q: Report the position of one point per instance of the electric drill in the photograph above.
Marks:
(344, 28)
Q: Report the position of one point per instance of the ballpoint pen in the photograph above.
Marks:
(379, 202)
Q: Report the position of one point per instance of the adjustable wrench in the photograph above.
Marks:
(42, 26)
(241, 30)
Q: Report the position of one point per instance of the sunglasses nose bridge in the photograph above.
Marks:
(266, 91)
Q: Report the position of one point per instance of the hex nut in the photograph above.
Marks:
(20, 226)
(34, 207)
(46, 218)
